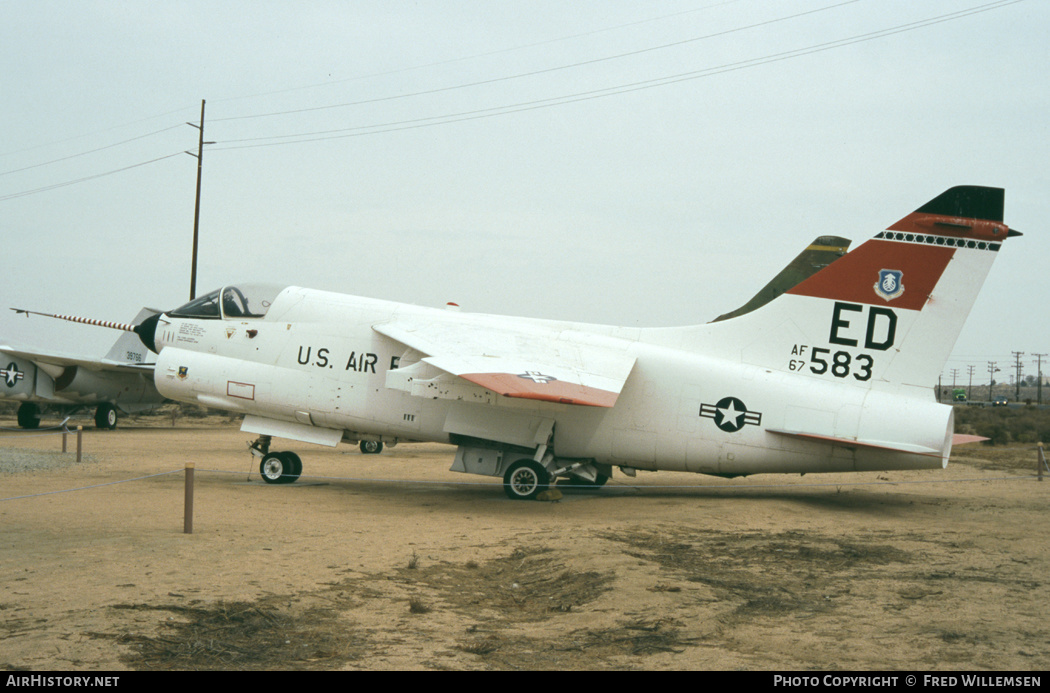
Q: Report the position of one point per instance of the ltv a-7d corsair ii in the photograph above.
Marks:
(49, 381)
(834, 375)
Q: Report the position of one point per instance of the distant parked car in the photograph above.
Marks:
(999, 401)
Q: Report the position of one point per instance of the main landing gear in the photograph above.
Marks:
(526, 479)
(276, 467)
(106, 415)
(371, 447)
(28, 415)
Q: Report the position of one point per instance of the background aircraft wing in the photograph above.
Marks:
(127, 354)
(548, 365)
(44, 359)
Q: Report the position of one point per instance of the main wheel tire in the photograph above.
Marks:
(274, 468)
(294, 469)
(106, 416)
(525, 479)
(371, 447)
(28, 415)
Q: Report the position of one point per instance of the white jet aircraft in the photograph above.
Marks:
(121, 381)
(834, 375)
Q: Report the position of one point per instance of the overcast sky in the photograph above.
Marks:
(624, 162)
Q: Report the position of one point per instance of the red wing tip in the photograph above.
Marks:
(578, 401)
(543, 389)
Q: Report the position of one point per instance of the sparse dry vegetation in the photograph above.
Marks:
(1004, 425)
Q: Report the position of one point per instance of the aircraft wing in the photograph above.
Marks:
(45, 359)
(560, 366)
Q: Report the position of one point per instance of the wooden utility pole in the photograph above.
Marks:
(197, 207)
(1039, 375)
(1017, 365)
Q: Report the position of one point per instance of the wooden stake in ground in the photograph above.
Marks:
(187, 522)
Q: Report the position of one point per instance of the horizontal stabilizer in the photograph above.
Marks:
(851, 442)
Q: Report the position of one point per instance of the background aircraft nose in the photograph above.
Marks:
(147, 331)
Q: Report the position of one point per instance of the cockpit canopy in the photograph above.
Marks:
(231, 302)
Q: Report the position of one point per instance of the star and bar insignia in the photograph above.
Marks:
(730, 414)
(11, 374)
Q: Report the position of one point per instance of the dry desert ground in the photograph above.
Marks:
(392, 562)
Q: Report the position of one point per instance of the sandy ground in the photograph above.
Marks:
(392, 562)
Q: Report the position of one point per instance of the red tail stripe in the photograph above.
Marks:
(853, 277)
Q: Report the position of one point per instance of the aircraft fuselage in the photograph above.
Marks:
(317, 362)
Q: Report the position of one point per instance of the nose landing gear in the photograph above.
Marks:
(276, 467)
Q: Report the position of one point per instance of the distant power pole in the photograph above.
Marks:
(969, 389)
(991, 377)
(197, 207)
(1039, 375)
(1017, 365)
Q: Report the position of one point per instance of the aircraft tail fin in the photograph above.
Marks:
(129, 348)
(819, 254)
(890, 310)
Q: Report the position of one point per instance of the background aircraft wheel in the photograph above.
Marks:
(371, 447)
(274, 468)
(106, 416)
(294, 468)
(525, 479)
(28, 415)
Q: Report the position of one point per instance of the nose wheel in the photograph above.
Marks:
(280, 467)
(276, 467)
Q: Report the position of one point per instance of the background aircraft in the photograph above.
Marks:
(834, 375)
(819, 254)
(121, 381)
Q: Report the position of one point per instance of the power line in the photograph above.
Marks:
(300, 138)
(481, 55)
(534, 73)
(76, 137)
(430, 121)
(4, 198)
(91, 151)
